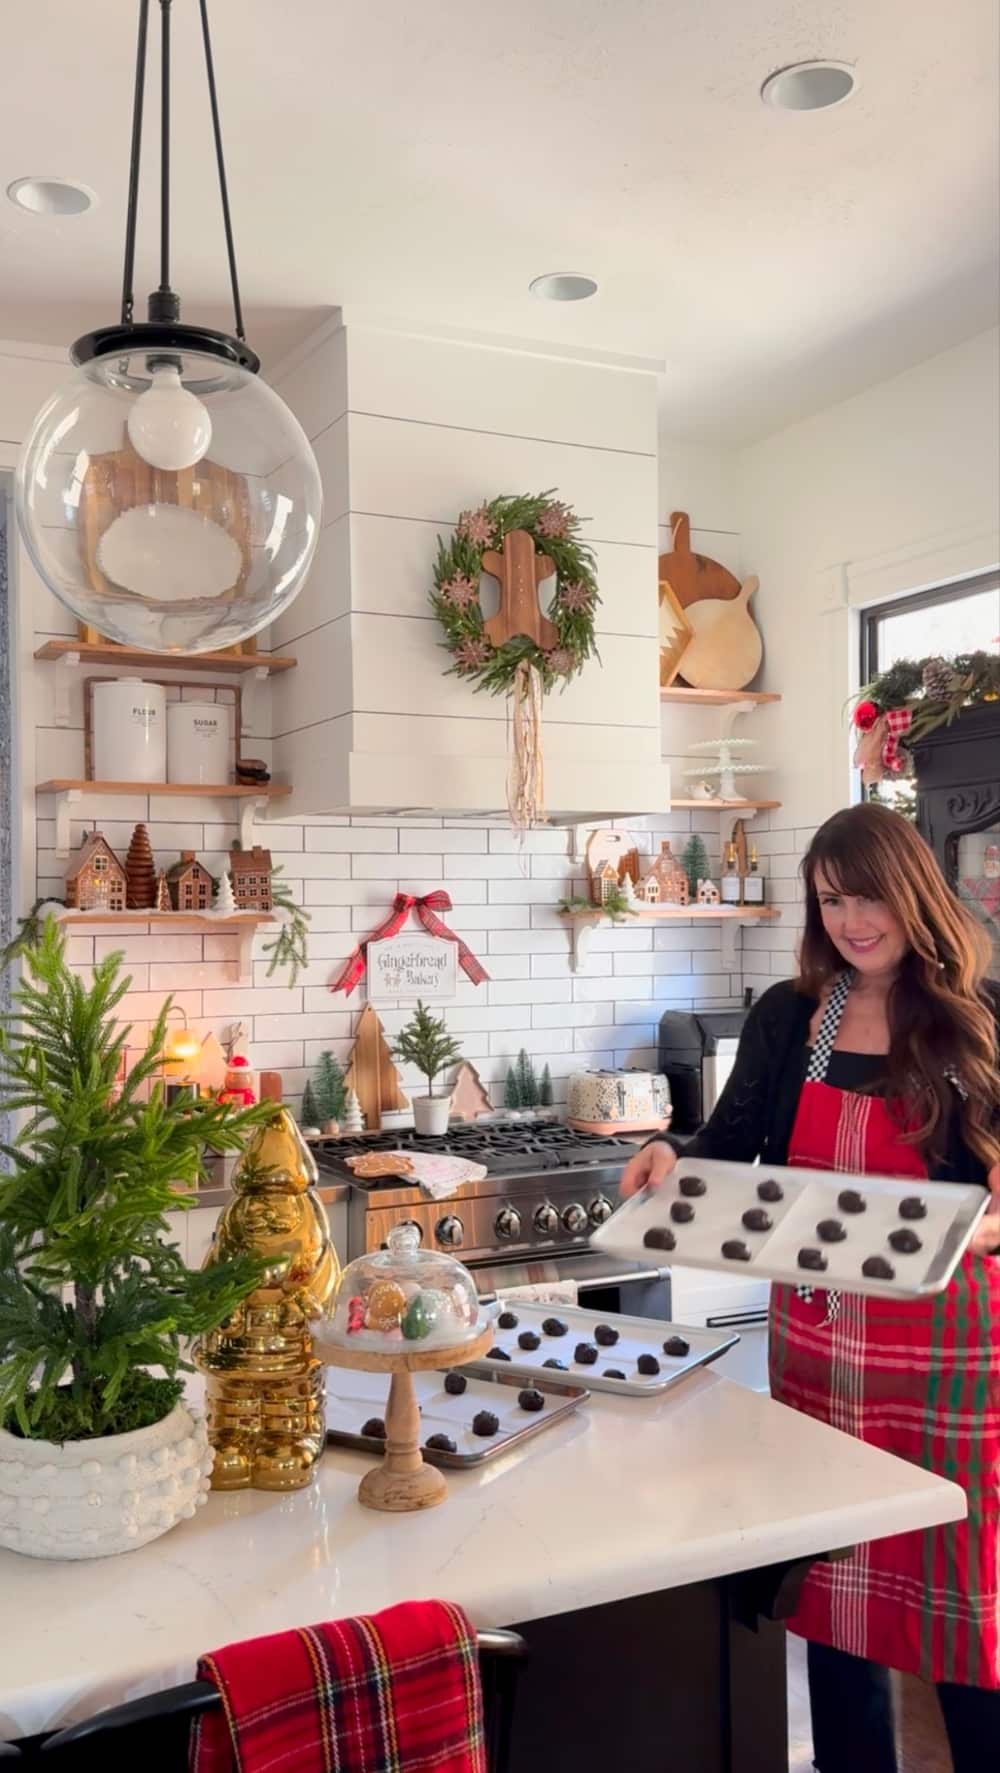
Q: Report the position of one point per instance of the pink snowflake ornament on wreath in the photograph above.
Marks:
(476, 526)
(554, 521)
(460, 591)
(560, 661)
(472, 654)
(576, 597)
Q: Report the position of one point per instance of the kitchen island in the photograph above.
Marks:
(634, 1544)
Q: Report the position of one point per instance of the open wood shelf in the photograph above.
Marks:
(696, 914)
(724, 806)
(715, 698)
(106, 652)
(207, 791)
(177, 920)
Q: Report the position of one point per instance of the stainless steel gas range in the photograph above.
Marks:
(527, 1222)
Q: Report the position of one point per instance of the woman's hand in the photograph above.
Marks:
(986, 1238)
(651, 1166)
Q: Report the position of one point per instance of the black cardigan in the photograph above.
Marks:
(755, 1113)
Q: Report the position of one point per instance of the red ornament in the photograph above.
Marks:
(865, 716)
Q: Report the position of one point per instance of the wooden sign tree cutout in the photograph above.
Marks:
(469, 1099)
(519, 571)
(371, 1074)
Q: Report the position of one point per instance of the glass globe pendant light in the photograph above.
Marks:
(165, 494)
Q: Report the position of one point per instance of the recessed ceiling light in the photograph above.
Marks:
(51, 196)
(809, 86)
(562, 286)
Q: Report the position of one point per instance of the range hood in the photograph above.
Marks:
(409, 430)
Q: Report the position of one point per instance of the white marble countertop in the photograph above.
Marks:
(625, 1498)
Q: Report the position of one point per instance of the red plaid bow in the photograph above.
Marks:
(899, 722)
(426, 909)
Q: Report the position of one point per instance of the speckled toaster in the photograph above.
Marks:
(618, 1101)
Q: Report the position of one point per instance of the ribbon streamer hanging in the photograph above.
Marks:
(526, 772)
(426, 909)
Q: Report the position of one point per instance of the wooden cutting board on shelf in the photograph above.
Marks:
(694, 577)
(725, 648)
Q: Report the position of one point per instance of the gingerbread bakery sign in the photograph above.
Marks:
(412, 965)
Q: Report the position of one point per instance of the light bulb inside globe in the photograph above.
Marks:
(168, 425)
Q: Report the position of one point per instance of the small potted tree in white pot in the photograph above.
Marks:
(98, 1451)
(426, 1043)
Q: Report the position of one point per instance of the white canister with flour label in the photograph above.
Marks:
(129, 731)
(197, 742)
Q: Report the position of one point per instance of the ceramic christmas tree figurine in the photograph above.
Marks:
(225, 904)
(162, 892)
(265, 1389)
(353, 1122)
(140, 872)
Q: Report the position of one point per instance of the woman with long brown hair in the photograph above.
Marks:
(882, 1057)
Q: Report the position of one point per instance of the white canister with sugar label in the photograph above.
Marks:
(129, 731)
(197, 742)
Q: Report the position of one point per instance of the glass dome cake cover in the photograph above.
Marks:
(405, 1300)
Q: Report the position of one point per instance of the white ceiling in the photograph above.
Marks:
(428, 160)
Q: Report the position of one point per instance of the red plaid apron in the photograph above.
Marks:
(921, 1380)
(390, 1693)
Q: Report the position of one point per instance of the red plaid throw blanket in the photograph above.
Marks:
(396, 1692)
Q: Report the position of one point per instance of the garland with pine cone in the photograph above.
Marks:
(911, 699)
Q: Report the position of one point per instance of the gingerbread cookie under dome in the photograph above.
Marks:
(405, 1300)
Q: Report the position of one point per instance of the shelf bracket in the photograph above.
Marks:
(68, 664)
(731, 947)
(244, 954)
(66, 799)
(249, 810)
(732, 714)
(581, 934)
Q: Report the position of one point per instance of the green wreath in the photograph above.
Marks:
(553, 528)
(934, 691)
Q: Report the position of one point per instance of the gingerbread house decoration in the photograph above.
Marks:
(250, 871)
(190, 884)
(604, 882)
(665, 882)
(96, 879)
(708, 893)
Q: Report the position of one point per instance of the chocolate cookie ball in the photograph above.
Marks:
(810, 1258)
(455, 1384)
(529, 1339)
(530, 1399)
(850, 1201)
(756, 1219)
(735, 1251)
(912, 1207)
(676, 1346)
(905, 1241)
(440, 1443)
(831, 1231)
(648, 1364)
(508, 1320)
(485, 1423)
(497, 1354)
(560, 1366)
(681, 1212)
(660, 1237)
(770, 1190)
(692, 1186)
(374, 1429)
(554, 1326)
(605, 1336)
(877, 1268)
(585, 1354)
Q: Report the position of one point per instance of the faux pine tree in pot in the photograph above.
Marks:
(98, 1452)
(426, 1043)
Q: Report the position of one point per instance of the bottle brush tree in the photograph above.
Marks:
(694, 861)
(329, 1091)
(90, 1176)
(426, 1043)
(527, 1082)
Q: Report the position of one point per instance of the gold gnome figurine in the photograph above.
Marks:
(266, 1390)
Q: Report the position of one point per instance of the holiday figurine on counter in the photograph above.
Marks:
(265, 1389)
(162, 900)
(95, 879)
(225, 904)
(239, 1088)
(353, 1122)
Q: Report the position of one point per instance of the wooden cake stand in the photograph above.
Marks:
(403, 1482)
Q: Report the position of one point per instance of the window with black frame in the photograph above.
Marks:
(942, 621)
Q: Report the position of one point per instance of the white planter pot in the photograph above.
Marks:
(87, 1499)
(431, 1113)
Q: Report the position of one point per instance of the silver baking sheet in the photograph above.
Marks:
(953, 1211)
(636, 1335)
(351, 1397)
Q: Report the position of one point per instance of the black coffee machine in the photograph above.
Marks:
(697, 1049)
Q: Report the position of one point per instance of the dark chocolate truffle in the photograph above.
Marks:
(613, 1373)
(905, 1241)
(676, 1346)
(508, 1320)
(455, 1383)
(877, 1268)
(529, 1339)
(660, 1237)
(498, 1354)
(831, 1231)
(560, 1366)
(912, 1208)
(735, 1251)
(485, 1423)
(585, 1354)
(809, 1258)
(554, 1326)
(648, 1364)
(530, 1399)
(440, 1443)
(681, 1212)
(605, 1336)
(692, 1186)
(770, 1190)
(756, 1219)
(850, 1201)
(374, 1428)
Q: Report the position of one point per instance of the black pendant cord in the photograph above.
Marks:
(128, 270)
(165, 147)
(221, 164)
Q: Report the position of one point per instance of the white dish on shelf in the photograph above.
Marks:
(953, 1210)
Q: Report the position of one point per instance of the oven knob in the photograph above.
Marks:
(546, 1220)
(450, 1232)
(507, 1223)
(575, 1218)
(600, 1210)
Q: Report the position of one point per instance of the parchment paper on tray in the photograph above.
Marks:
(437, 1172)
